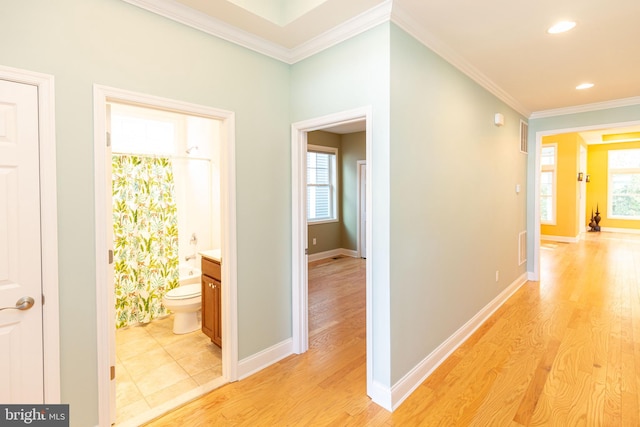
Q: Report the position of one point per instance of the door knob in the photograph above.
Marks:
(24, 303)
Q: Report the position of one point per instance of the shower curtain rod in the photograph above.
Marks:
(161, 156)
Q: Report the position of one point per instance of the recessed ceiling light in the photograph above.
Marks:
(561, 27)
(584, 86)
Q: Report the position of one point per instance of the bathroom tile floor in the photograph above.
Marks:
(154, 365)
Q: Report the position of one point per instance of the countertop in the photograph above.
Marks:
(212, 254)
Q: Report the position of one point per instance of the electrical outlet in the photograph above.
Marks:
(497, 275)
(314, 240)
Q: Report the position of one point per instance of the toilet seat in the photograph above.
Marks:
(184, 292)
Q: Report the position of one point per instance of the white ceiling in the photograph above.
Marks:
(502, 44)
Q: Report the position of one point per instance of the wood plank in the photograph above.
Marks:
(564, 351)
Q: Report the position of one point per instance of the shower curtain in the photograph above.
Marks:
(145, 228)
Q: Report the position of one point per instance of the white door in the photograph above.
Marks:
(21, 350)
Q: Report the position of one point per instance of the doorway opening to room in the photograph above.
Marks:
(165, 211)
(320, 238)
(572, 182)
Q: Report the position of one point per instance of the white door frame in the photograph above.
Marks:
(535, 276)
(359, 165)
(48, 223)
(299, 258)
(105, 322)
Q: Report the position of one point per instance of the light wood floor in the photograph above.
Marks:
(564, 351)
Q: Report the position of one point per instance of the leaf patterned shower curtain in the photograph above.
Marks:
(145, 226)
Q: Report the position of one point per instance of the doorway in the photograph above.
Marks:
(103, 96)
(300, 303)
(593, 129)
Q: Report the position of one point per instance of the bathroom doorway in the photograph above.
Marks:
(171, 163)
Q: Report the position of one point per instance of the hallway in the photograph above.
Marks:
(564, 351)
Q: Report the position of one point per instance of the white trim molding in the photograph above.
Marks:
(405, 21)
(351, 28)
(620, 230)
(190, 17)
(105, 323)
(265, 358)
(402, 389)
(561, 239)
(48, 223)
(624, 102)
(178, 12)
(333, 253)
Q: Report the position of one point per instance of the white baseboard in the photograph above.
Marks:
(391, 399)
(381, 396)
(333, 253)
(620, 230)
(562, 239)
(257, 362)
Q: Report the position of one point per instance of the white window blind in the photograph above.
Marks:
(321, 184)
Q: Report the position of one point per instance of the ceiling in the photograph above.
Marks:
(502, 44)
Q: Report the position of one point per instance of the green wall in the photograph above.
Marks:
(443, 176)
(108, 42)
(455, 214)
(349, 75)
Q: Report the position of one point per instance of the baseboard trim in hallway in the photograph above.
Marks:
(412, 380)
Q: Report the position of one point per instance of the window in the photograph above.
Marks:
(548, 184)
(624, 184)
(321, 184)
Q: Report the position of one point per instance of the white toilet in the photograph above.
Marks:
(185, 302)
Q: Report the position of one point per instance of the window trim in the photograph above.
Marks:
(554, 186)
(618, 171)
(334, 188)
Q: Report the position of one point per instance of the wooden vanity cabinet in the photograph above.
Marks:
(211, 300)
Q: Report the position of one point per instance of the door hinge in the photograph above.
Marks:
(110, 256)
(112, 373)
(306, 251)
(108, 139)
(42, 299)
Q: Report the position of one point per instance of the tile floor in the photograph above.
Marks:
(154, 365)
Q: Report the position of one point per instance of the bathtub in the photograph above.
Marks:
(188, 275)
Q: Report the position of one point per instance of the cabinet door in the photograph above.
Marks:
(208, 307)
(217, 315)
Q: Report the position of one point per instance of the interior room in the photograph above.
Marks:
(458, 116)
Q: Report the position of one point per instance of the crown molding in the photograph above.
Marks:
(596, 106)
(351, 28)
(403, 19)
(178, 12)
(200, 21)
